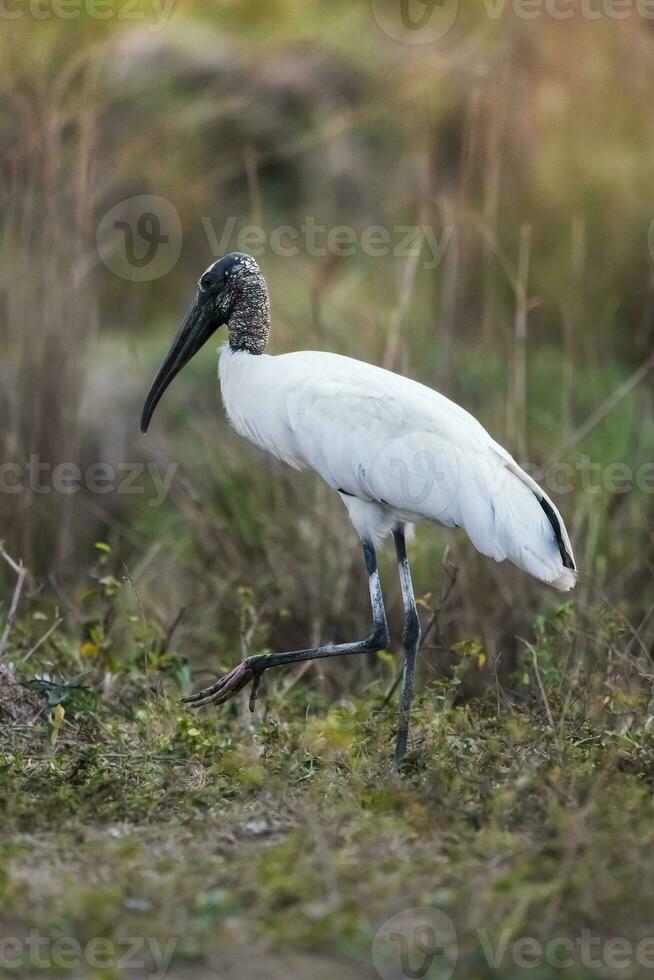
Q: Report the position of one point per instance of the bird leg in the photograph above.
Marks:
(411, 641)
(252, 668)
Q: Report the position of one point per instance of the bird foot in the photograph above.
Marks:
(229, 685)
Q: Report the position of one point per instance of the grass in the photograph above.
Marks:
(523, 812)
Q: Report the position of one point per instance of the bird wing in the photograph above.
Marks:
(380, 437)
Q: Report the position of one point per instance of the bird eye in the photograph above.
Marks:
(206, 282)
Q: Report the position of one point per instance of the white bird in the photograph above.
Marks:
(394, 450)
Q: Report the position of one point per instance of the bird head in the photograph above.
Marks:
(232, 291)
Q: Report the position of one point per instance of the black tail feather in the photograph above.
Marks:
(566, 558)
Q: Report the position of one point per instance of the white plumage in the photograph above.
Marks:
(396, 451)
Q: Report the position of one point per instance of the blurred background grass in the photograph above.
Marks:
(529, 142)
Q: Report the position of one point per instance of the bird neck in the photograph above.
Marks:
(249, 321)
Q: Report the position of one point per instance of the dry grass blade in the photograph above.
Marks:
(541, 686)
(518, 394)
(607, 406)
(46, 636)
(21, 573)
(399, 313)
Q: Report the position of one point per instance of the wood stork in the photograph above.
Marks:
(394, 450)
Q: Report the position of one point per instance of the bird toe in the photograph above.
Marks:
(223, 689)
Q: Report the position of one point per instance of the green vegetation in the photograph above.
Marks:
(524, 811)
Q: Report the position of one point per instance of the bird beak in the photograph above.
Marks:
(199, 323)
